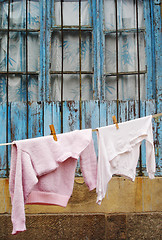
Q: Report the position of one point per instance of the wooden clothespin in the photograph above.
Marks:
(53, 132)
(115, 122)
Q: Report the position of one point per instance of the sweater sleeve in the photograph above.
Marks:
(20, 185)
(150, 160)
(150, 151)
(104, 170)
(88, 164)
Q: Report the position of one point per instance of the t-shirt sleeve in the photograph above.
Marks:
(88, 164)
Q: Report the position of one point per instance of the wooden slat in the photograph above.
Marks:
(112, 110)
(48, 118)
(52, 115)
(90, 113)
(103, 114)
(91, 117)
(47, 52)
(150, 109)
(143, 145)
(70, 116)
(2, 139)
(17, 124)
(18, 121)
(132, 110)
(9, 134)
(150, 55)
(36, 119)
(123, 111)
(71, 122)
(158, 79)
(42, 62)
(102, 49)
(95, 47)
(56, 111)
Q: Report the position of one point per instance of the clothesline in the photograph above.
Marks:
(154, 116)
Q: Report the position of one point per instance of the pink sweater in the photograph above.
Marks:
(43, 171)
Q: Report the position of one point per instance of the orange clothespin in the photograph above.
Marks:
(53, 132)
(115, 122)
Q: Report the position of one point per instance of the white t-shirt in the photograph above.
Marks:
(118, 151)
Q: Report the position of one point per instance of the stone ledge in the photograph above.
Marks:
(86, 226)
(143, 195)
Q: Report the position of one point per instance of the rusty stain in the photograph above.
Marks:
(71, 119)
(35, 114)
(29, 103)
(70, 105)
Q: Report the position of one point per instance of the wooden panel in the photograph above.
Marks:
(112, 110)
(90, 114)
(103, 113)
(71, 121)
(47, 51)
(94, 114)
(158, 145)
(150, 109)
(17, 124)
(132, 110)
(158, 78)
(102, 49)
(18, 121)
(143, 145)
(91, 117)
(123, 111)
(36, 119)
(150, 50)
(52, 115)
(2, 139)
(42, 77)
(70, 116)
(94, 48)
(56, 109)
(48, 118)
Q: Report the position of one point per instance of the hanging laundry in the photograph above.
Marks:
(118, 151)
(43, 171)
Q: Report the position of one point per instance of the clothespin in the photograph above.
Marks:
(115, 122)
(53, 132)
